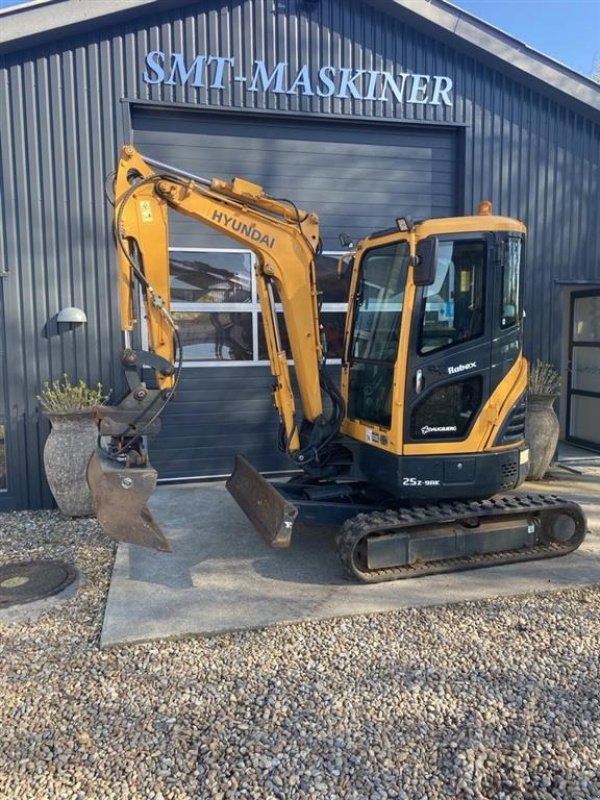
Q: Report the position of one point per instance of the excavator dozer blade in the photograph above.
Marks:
(270, 513)
(120, 495)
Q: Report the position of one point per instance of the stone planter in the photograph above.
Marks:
(542, 433)
(67, 451)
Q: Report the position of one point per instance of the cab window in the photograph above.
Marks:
(453, 308)
(376, 332)
(512, 278)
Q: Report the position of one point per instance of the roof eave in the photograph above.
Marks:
(39, 21)
(518, 55)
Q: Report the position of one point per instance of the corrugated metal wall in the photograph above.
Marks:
(61, 123)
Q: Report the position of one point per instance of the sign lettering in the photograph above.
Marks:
(218, 72)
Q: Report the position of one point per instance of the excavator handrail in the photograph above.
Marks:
(152, 162)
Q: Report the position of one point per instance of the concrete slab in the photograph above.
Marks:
(222, 577)
(572, 456)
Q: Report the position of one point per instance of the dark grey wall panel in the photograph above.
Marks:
(219, 412)
(61, 124)
(356, 177)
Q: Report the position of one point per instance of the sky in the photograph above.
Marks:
(566, 30)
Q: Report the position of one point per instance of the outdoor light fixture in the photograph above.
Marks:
(71, 314)
(405, 224)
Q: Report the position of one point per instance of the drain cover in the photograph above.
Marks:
(33, 580)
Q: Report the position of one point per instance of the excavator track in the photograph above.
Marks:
(527, 528)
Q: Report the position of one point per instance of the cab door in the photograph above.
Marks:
(449, 359)
(375, 328)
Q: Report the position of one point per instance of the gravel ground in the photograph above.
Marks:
(495, 699)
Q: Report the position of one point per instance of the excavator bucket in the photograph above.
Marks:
(120, 495)
(270, 513)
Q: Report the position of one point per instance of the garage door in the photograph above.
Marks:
(356, 176)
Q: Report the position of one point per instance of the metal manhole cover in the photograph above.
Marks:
(32, 580)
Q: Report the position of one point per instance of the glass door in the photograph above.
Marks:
(583, 400)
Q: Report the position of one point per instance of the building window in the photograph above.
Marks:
(215, 305)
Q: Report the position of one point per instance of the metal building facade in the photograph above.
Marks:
(67, 104)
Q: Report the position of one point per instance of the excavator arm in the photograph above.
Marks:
(285, 240)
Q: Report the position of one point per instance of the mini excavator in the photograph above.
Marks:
(407, 457)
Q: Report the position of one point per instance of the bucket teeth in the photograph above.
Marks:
(120, 494)
(270, 513)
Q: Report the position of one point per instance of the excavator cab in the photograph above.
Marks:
(433, 368)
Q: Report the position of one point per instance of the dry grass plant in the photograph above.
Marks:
(544, 378)
(62, 396)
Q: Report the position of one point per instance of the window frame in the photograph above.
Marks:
(253, 308)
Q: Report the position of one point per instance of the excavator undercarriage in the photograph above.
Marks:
(379, 538)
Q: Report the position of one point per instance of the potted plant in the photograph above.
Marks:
(542, 422)
(71, 409)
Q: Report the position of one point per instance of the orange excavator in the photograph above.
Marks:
(407, 456)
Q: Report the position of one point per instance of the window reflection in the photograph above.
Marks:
(333, 288)
(511, 282)
(333, 327)
(584, 416)
(376, 333)
(587, 319)
(215, 336)
(453, 309)
(211, 277)
(380, 300)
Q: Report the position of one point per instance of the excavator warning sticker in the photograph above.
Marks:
(377, 438)
(146, 211)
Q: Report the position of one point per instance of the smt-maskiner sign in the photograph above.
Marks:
(217, 72)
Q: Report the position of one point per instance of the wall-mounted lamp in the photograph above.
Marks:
(71, 314)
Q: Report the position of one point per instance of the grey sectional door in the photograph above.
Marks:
(357, 176)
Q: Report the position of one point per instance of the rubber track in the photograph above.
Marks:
(363, 525)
